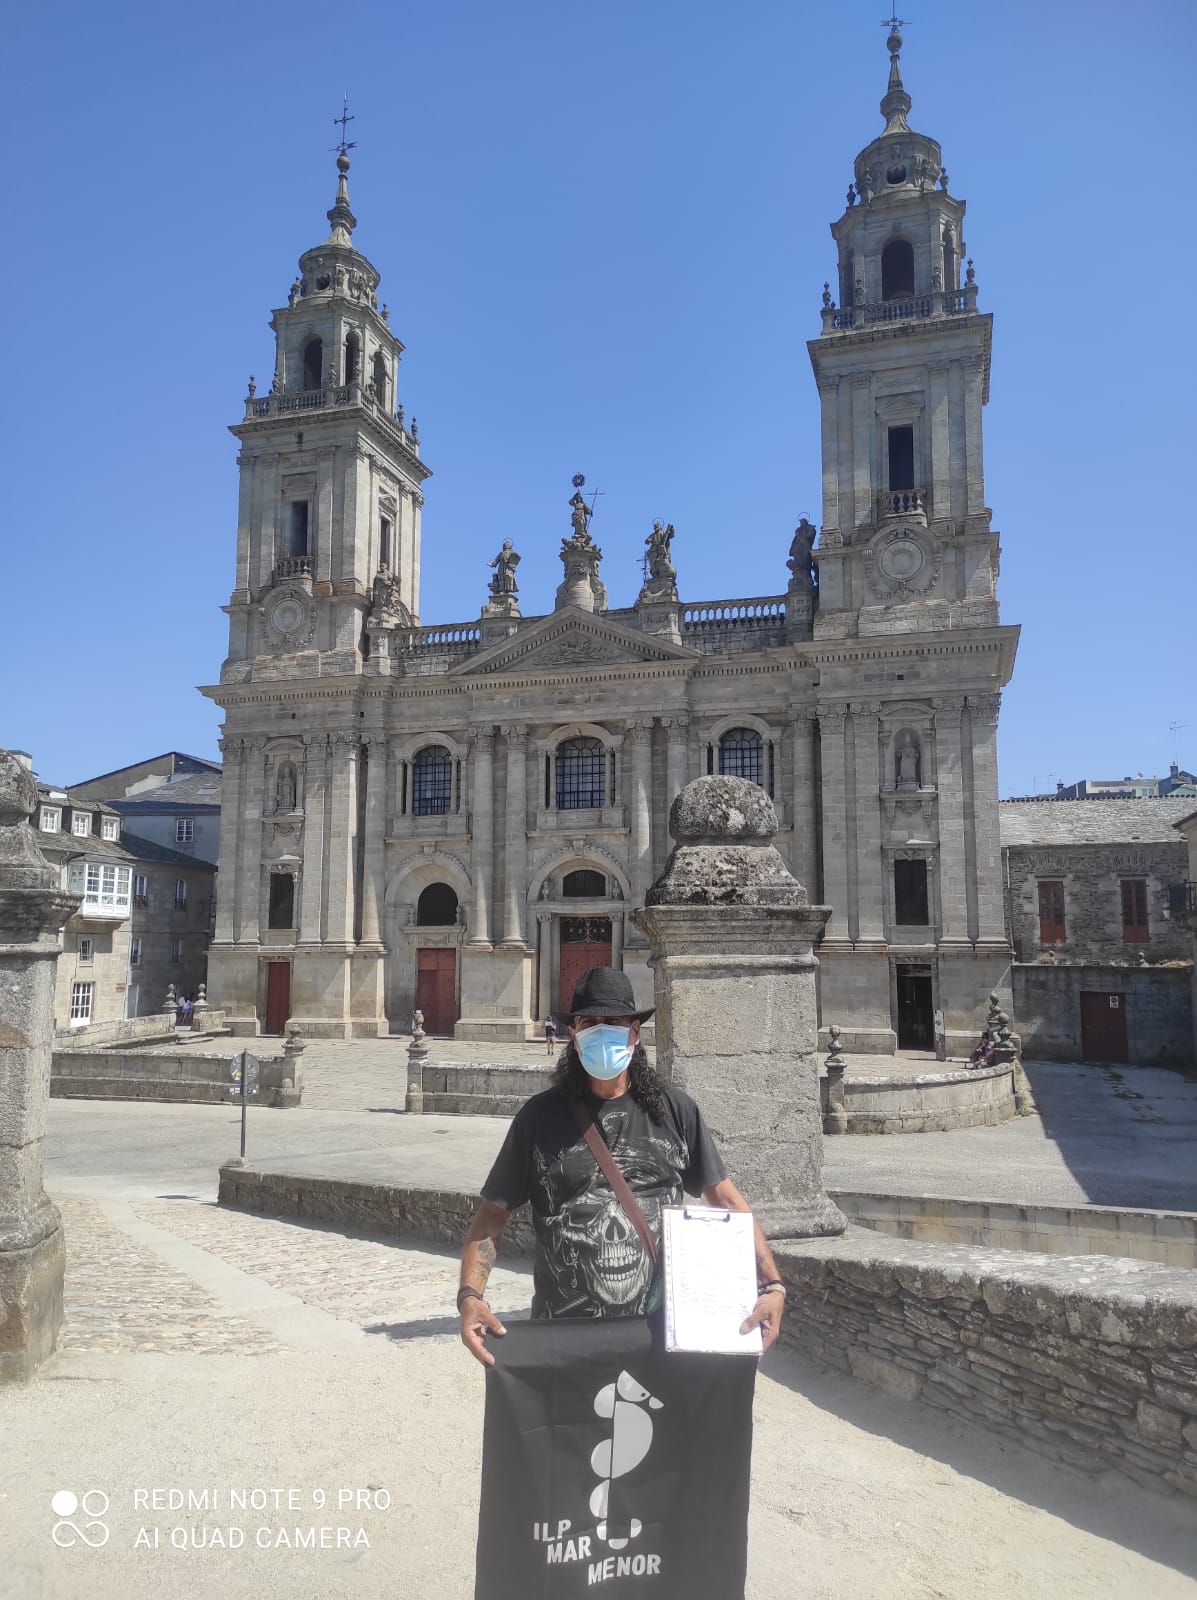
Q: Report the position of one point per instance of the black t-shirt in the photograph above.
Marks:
(589, 1261)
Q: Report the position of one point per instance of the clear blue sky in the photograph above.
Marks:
(603, 233)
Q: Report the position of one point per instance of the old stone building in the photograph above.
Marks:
(1101, 954)
(462, 814)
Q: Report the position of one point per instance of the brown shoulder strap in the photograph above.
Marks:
(619, 1184)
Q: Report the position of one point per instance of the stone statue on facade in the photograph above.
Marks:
(285, 787)
(580, 557)
(801, 562)
(908, 764)
(661, 571)
(388, 609)
(503, 583)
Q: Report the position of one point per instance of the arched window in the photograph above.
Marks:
(584, 885)
(897, 269)
(581, 775)
(353, 354)
(380, 380)
(313, 364)
(848, 280)
(742, 755)
(432, 782)
(949, 259)
(436, 907)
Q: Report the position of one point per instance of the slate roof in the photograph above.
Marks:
(128, 849)
(176, 794)
(175, 756)
(1145, 819)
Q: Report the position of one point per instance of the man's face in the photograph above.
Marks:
(630, 1023)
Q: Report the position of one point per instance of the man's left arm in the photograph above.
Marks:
(769, 1306)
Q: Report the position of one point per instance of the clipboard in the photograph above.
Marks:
(710, 1279)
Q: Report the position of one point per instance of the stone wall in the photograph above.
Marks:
(119, 1030)
(168, 1074)
(929, 1102)
(1169, 1237)
(1092, 874)
(1093, 1362)
(1159, 1010)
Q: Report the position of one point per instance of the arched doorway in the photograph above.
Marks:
(436, 965)
(585, 943)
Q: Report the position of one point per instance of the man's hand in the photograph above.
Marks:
(477, 1320)
(766, 1315)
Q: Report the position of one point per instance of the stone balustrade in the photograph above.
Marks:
(910, 308)
(901, 503)
(327, 398)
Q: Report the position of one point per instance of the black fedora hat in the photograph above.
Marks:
(603, 992)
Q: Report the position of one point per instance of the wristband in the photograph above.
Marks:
(773, 1283)
(467, 1293)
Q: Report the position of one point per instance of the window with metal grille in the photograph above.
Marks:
(1051, 911)
(581, 775)
(910, 894)
(432, 782)
(742, 755)
(584, 884)
(87, 952)
(1134, 911)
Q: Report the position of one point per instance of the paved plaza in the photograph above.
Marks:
(212, 1350)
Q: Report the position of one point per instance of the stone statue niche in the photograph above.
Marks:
(286, 787)
(908, 761)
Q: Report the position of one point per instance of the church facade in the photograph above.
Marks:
(461, 816)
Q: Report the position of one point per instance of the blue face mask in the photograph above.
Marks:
(606, 1051)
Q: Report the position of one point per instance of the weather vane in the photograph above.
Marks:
(343, 122)
(894, 22)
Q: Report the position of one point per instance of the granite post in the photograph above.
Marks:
(732, 937)
(33, 911)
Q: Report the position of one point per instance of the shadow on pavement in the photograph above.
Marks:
(1156, 1526)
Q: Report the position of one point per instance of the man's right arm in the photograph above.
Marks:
(477, 1258)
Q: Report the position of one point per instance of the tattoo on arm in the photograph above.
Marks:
(481, 1247)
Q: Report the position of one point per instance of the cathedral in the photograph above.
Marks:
(460, 816)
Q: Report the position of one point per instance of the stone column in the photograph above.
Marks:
(677, 759)
(991, 922)
(248, 882)
(806, 801)
(515, 851)
(544, 964)
(829, 400)
(231, 783)
(33, 912)
(315, 777)
(835, 830)
(862, 448)
(950, 784)
(941, 443)
(974, 458)
(732, 936)
(482, 833)
(870, 923)
(640, 817)
(341, 822)
(374, 866)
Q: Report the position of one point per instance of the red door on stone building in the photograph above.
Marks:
(278, 995)
(436, 989)
(585, 943)
(1103, 1028)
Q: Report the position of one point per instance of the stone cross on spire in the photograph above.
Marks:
(341, 217)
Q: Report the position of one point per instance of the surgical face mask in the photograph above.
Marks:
(606, 1051)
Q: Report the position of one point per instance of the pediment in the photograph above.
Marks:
(573, 640)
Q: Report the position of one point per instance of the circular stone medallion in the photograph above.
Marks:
(291, 617)
(902, 560)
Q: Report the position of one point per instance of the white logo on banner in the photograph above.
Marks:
(631, 1438)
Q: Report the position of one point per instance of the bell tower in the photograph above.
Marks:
(902, 365)
(331, 475)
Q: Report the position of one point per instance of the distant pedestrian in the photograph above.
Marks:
(550, 1034)
(185, 1009)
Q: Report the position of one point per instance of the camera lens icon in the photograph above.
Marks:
(93, 1504)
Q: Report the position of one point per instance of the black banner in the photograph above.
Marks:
(612, 1468)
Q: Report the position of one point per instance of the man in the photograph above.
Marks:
(589, 1260)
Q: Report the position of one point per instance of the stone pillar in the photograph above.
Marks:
(248, 882)
(482, 833)
(829, 400)
(953, 897)
(974, 375)
(315, 777)
(640, 816)
(991, 922)
(417, 1054)
(374, 865)
(870, 917)
(341, 821)
(231, 783)
(836, 1118)
(862, 448)
(515, 849)
(941, 443)
(732, 936)
(835, 818)
(677, 759)
(33, 912)
(544, 964)
(805, 800)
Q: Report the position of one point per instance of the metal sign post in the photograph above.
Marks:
(244, 1073)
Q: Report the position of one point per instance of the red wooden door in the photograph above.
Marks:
(436, 989)
(585, 943)
(278, 995)
(1103, 1027)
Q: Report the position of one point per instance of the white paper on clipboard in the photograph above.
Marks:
(710, 1279)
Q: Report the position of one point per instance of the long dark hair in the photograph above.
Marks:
(570, 1080)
